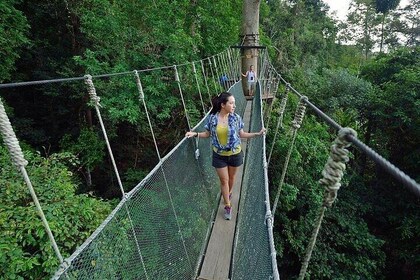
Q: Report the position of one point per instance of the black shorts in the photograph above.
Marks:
(223, 161)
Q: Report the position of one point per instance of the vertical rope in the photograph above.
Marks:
(141, 96)
(277, 83)
(296, 123)
(226, 66)
(267, 83)
(12, 144)
(274, 92)
(218, 65)
(238, 65)
(270, 83)
(223, 66)
(268, 115)
(262, 65)
(198, 87)
(96, 101)
(216, 70)
(232, 65)
(265, 61)
(182, 96)
(212, 74)
(280, 119)
(205, 80)
(332, 174)
(230, 62)
(226, 69)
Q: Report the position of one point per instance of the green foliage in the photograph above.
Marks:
(89, 147)
(345, 247)
(26, 251)
(396, 106)
(13, 36)
(300, 33)
(384, 6)
(395, 127)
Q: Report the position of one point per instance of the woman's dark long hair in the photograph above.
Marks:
(217, 102)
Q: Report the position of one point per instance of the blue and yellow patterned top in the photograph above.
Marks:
(233, 145)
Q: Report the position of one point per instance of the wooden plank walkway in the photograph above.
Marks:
(217, 258)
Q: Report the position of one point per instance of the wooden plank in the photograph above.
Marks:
(217, 258)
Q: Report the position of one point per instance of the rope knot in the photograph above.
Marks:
(92, 91)
(336, 165)
(268, 218)
(300, 113)
(10, 139)
(139, 86)
(176, 75)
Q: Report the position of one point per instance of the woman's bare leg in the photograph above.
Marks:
(232, 175)
(224, 183)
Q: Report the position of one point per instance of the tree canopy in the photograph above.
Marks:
(367, 234)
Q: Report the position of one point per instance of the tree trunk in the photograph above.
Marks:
(382, 32)
(249, 37)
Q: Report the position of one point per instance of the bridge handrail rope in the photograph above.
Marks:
(62, 271)
(408, 182)
(108, 75)
(332, 173)
(334, 169)
(269, 216)
(128, 196)
(96, 102)
(254, 254)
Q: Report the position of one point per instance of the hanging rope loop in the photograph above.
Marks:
(336, 165)
(139, 86)
(92, 91)
(10, 139)
(300, 113)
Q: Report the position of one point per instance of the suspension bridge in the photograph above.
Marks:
(169, 225)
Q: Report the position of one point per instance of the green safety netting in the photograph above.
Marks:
(252, 258)
(160, 229)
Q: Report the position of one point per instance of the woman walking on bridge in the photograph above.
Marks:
(226, 130)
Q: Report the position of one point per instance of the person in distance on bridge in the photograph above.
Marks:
(224, 81)
(225, 128)
(252, 77)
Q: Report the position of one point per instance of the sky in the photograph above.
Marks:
(341, 6)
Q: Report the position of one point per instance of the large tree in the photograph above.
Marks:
(249, 36)
(384, 7)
